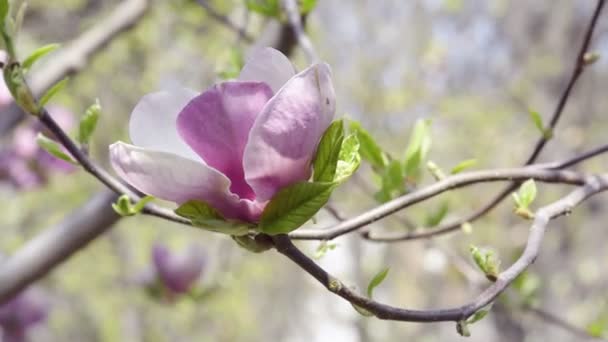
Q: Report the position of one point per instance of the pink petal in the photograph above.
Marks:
(285, 135)
(216, 125)
(269, 66)
(178, 272)
(178, 179)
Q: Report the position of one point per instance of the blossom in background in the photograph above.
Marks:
(22, 162)
(236, 144)
(178, 272)
(21, 313)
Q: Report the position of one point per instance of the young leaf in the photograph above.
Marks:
(293, 206)
(88, 122)
(122, 206)
(485, 260)
(307, 5)
(538, 121)
(328, 152)
(376, 280)
(323, 248)
(363, 312)
(38, 54)
(527, 192)
(463, 165)
(435, 217)
(252, 243)
(435, 170)
(392, 182)
(269, 8)
(4, 9)
(370, 151)
(51, 92)
(235, 64)
(348, 159)
(419, 145)
(463, 328)
(205, 216)
(479, 315)
(53, 148)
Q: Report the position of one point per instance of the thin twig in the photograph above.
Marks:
(424, 233)
(74, 57)
(563, 206)
(559, 322)
(225, 21)
(579, 67)
(295, 20)
(449, 183)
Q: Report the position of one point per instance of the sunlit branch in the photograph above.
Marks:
(295, 20)
(592, 185)
(449, 183)
(225, 21)
(425, 233)
(579, 67)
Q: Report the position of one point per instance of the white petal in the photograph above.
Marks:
(269, 66)
(153, 122)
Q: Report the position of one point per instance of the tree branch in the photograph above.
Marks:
(449, 183)
(592, 185)
(76, 55)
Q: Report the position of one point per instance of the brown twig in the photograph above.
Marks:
(592, 185)
(449, 183)
(579, 67)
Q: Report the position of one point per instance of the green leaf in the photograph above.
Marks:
(252, 243)
(307, 5)
(205, 216)
(349, 158)
(462, 328)
(527, 285)
(538, 120)
(435, 217)
(486, 261)
(527, 193)
(122, 206)
(88, 122)
(292, 206)
(235, 64)
(54, 148)
(328, 152)
(269, 8)
(362, 311)
(435, 170)
(417, 150)
(37, 54)
(376, 280)
(392, 182)
(4, 9)
(370, 151)
(324, 247)
(479, 315)
(51, 92)
(463, 165)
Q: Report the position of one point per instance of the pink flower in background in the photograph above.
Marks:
(236, 144)
(23, 163)
(178, 272)
(21, 313)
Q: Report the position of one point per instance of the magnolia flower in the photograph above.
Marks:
(21, 313)
(178, 272)
(236, 144)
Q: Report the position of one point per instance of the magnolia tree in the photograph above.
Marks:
(255, 157)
